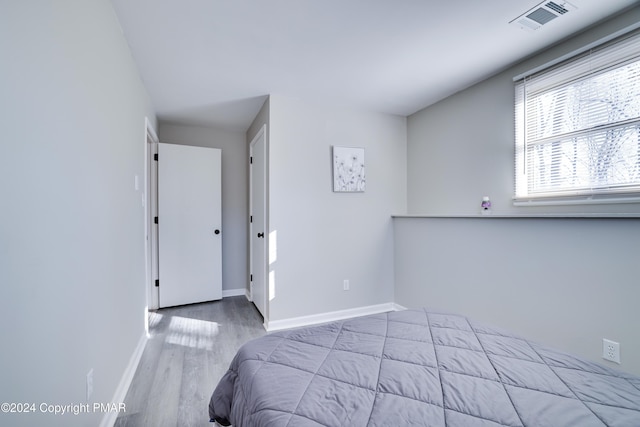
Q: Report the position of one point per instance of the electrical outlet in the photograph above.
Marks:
(89, 384)
(610, 350)
(345, 285)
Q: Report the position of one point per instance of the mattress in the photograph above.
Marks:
(417, 368)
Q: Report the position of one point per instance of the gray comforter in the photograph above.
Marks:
(417, 368)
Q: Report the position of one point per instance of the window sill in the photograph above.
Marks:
(516, 216)
(594, 200)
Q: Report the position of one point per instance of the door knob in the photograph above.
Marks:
(261, 235)
(217, 231)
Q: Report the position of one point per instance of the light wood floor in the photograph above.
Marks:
(189, 350)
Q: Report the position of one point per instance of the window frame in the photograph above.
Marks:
(522, 188)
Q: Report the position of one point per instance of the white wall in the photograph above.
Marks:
(325, 237)
(235, 210)
(72, 276)
(563, 282)
(461, 149)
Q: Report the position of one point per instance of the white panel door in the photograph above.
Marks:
(189, 224)
(259, 232)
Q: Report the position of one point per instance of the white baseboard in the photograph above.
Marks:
(398, 307)
(109, 418)
(314, 319)
(226, 293)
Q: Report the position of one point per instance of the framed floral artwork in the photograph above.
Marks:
(348, 170)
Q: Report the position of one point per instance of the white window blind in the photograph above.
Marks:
(578, 126)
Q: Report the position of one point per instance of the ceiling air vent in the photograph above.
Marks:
(542, 14)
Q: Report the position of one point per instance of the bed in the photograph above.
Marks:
(417, 368)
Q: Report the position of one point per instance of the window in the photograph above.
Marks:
(578, 127)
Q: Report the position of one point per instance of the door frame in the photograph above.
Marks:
(151, 210)
(262, 133)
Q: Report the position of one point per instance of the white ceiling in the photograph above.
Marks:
(213, 62)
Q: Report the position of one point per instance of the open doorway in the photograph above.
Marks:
(258, 239)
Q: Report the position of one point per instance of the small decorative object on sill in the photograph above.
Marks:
(486, 206)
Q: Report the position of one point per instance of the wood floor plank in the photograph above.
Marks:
(139, 389)
(162, 407)
(189, 350)
(195, 391)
